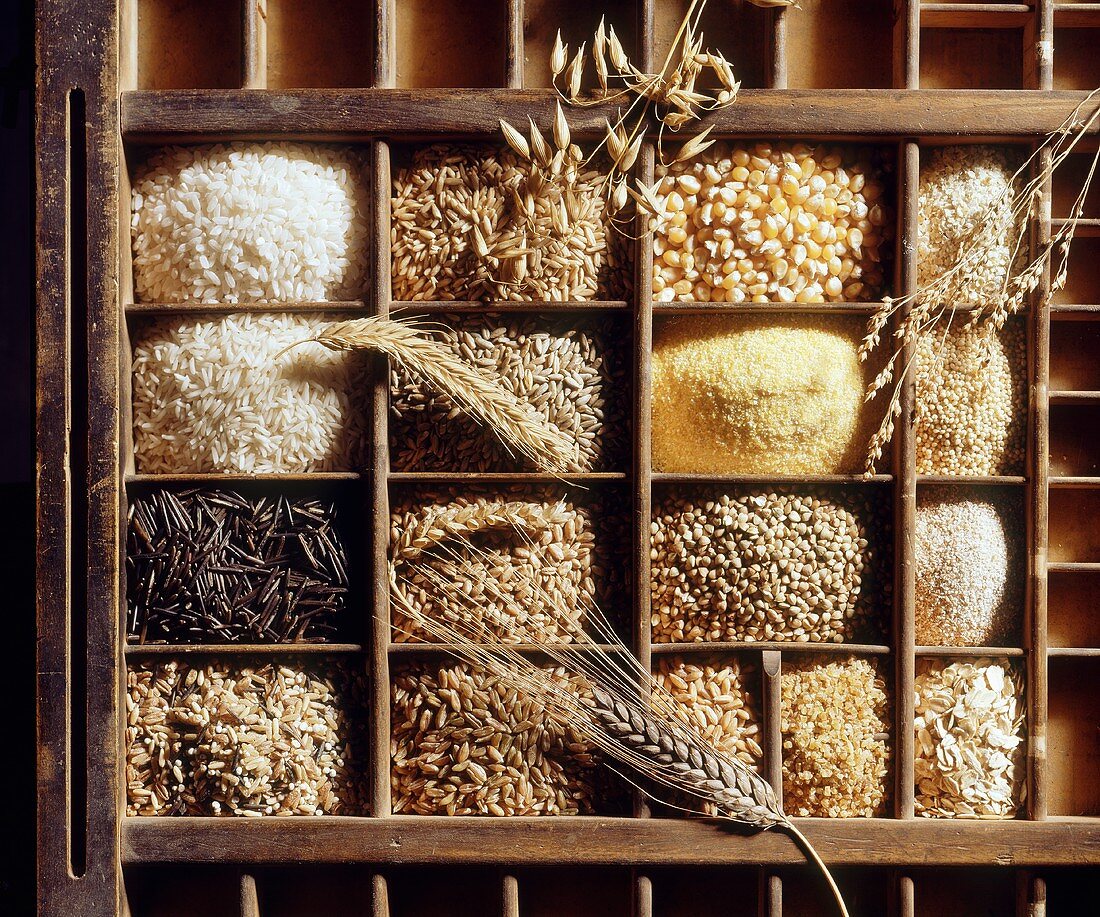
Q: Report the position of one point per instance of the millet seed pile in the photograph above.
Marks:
(836, 749)
(968, 558)
(807, 565)
(576, 378)
(223, 739)
(972, 401)
(465, 743)
(969, 739)
(772, 222)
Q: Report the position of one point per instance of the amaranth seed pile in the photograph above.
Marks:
(809, 565)
(465, 743)
(836, 749)
(969, 739)
(225, 739)
(576, 378)
(757, 395)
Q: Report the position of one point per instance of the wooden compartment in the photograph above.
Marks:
(577, 21)
(442, 892)
(1074, 534)
(805, 894)
(1075, 61)
(154, 891)
(967, 58)
(1074, 448)
(833, 45)
(323, 43)
(740, 30)
(1083, 281)
(1068, 181)
(1073, 609)
(965, 893)
(451, 43)
(1067, 888)
(577, 892)
(705, 892)
(1074, 739)
(1075, 356)
(338, 891)
(183, 44)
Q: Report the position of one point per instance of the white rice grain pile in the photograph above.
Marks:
(249, 222)
(210, 395)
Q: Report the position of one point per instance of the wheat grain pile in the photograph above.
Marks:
(243, 222)
(225, 394)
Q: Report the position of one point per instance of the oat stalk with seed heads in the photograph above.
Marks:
(926, 314)
(631, 717)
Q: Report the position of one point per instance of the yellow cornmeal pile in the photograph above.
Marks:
(755, 396)
(835, 739)
(971, 401)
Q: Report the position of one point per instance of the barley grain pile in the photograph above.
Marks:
(965, 200)
(807, 565)
(576, 378)
(763, 222)
(972, 401)
(756, 395)
(476, 223)
(968, 560)
(223, 739)
(464, 743)
(715, 699)
(241, 222)
(836, 749)
(216, 395)
(969, 739)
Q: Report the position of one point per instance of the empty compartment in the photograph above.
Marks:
(1075, 440)
(840, 45)
(155, 891)
(188, 44)
(971, 59)
(1083, 280)
(1073, 737)
(705, 892)
(738, 29)
(428, 891)
(451, 43)
(1073, 608)
(805, 893)
(323, 43)
(1075, 356)
(1070, 178)
(1074, 525)
(576, 892)
(577, 20)
(1068, 887)
(335, 891)
(970, 892)
(1076, 63)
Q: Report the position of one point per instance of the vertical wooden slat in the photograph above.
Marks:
(249, 896)
(643, 896)
(771, 672)
(514, 60)
(380, 896)
(906, 44)
(253, 44)
(777, 50)
(1044, 43)
(1037, 897)
(509, 896)
(907, 899)
(385, 32)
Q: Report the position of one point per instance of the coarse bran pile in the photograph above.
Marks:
(772, 222)
(968, 559)
(806, 565)
(222, 739)
(576, 379)
(969, 739)
(250, 222)
(971, 411)
(465, 743)
(225, 394)
(756, 395)
(478, 223)
(836, 749)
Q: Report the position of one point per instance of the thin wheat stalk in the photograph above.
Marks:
(516, 423)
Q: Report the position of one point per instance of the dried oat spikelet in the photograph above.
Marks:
(518, 425)
(778, 4)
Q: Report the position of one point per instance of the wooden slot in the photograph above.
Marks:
(839, 45)
(451, 43)
(577, 20)
(1073, 609)
(971, 59)
(188, 44)
(332, 890)
(1066, 889)
(1076, 63)
(576, 892)
(737, 28)
(1073, 746)
(1070, 178)
(805, 893)
(1083, 281)
(154, 891)
(323, 43)
(959, 893)
(442, 892)
(1075, 356)
(1074, 533)
(705, 892)
(1074, 447)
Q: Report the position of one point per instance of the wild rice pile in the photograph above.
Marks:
(464, 743)
(576, 379)
(968, 557)
(475, 223)
(241, 222)
(836, 724)
(525, 550)
(972, 401)
(220, 739)
(760, 222)
(807, 566)
(216, 395)
(969, 740)
(756, 395)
